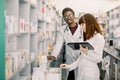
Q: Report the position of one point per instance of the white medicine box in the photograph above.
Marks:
(53, 74)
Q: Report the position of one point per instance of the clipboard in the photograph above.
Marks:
(76, 46)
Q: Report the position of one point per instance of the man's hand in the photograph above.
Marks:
(65, 66)
(50, 57)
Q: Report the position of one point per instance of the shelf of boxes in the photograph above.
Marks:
(41, 26)
(47, 74)
(114, 25)
(30, 26)
(18, 28)
(101, 18)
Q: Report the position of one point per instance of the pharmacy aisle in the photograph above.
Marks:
(28, 34)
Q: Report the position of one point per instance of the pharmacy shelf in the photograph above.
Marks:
(15, 75)
(30, 27)
(114, 62)
(113, 24)
(112, 52)
(18, 57)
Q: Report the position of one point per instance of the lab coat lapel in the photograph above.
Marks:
(69, 36)
(77, 32)
(74, 37)
(69, 32)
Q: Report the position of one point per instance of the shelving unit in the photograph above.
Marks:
(113, 63)
(17, 40)
(2, 41)
(41, 27)
(102, 22)
(30, 28)
(113, 24)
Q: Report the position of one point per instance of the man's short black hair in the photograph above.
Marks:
(67, 9)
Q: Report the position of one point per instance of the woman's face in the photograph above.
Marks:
(83, 26)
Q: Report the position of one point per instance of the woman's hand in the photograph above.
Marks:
(84, 50)
(64, 66)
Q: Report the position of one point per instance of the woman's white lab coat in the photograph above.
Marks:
(66, 36)
(87, 64)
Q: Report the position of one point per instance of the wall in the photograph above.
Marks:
(2, 47)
